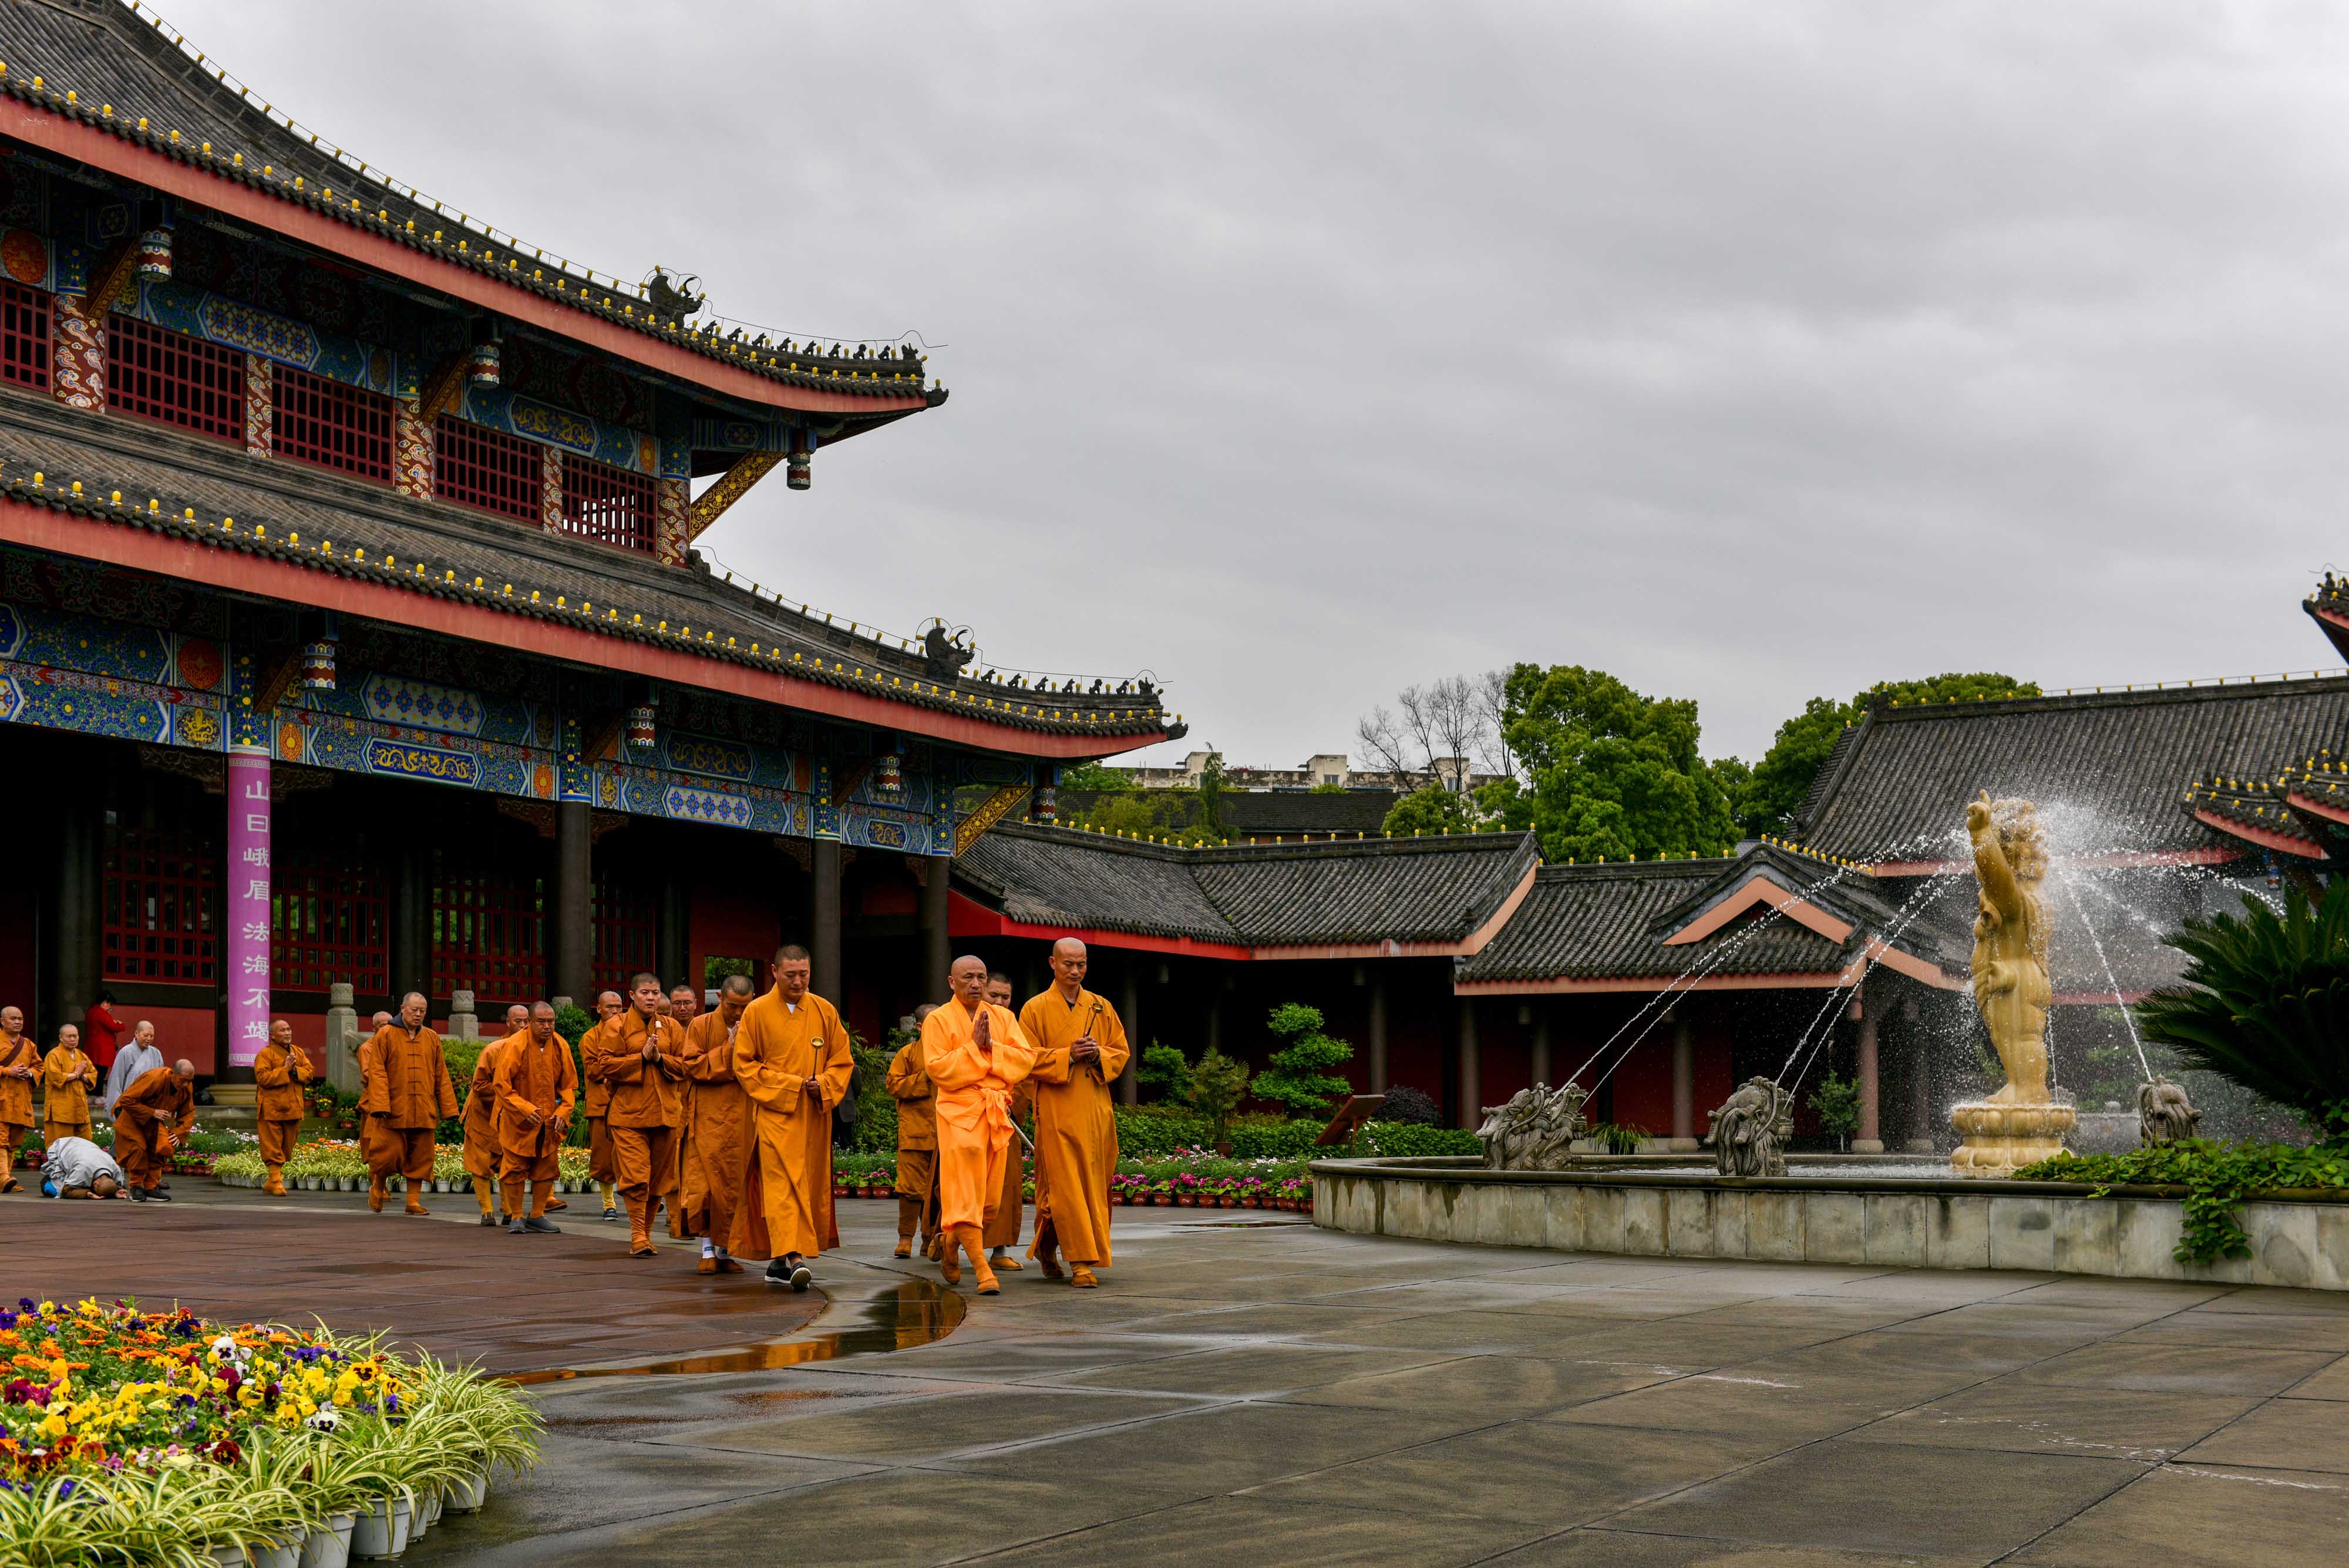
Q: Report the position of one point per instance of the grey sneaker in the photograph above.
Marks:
(513, 1227)
(540, 1225)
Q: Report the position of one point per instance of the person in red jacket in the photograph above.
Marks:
(102, 1032)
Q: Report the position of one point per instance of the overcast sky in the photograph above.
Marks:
(1302, 352)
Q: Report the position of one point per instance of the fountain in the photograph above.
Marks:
(2021, 1124)
(1749, 1132)
(2164, 1113)
(1535, 1130)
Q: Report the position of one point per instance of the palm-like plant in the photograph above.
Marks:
(2265, 1002)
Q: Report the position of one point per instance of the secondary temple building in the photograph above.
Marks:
(351, 626)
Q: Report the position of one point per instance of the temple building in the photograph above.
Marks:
(352, 626)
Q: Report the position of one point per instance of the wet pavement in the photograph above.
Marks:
(1263, 1392)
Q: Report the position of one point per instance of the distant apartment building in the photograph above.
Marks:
(1322, 770)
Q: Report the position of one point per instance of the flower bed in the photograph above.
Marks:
(1187, 1178)
(137, 1437)
(335, 1165)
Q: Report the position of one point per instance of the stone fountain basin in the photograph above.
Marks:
(1820, 1214)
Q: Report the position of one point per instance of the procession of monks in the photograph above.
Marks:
(724, 1118)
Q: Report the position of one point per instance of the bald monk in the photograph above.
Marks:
(684, 1003)
(534, 1086)
(405, 1093)
(975, 1056)
(640, 1057)
(1002, 1231)
(596, 1099)
(909, 1082)
(279, 1075)
(792, 1056)
(67, 1077)
(1081, 1049)
(482, 1151)
(713, 1166)
(151, 1117)
(20, 1069)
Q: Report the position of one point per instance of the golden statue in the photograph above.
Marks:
(2022, 1123)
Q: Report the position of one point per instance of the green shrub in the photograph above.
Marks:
(1298, 1076)
(1144, 1130)
(1165, 1074)
(876, 1108)
(1615, 1137)
(1271, 1139)
(1405, 1104)
(2217, 1177)
(1408, 1140)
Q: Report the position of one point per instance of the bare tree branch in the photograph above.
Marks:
(1384, 747)
(1492, 713)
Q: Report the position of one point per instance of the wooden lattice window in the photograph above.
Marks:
(488, 469)
(156, 924)
(158, 374)
(489, 934)
(24, 334)
(623, 933)
(332, 424)
(328, 926)
(608, 504)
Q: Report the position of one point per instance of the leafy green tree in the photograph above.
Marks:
(1163, 1071)
(1298, 1075)
(1609, 772)
(1433, 809)
(1093, 777)
(1211, 793)
(1784, 774)
(1218, 1085)
(1837, 1102)
(1169, 815)
(2266, 1002)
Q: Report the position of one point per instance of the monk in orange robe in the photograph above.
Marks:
(534, 1084)
(640, 1057)
(597, 1100)
(20, 1069)
(66, 1079)
(151, 1117)
(405, 1093)
(792, 1056)
(1081, 1049)
(976, 1056)
(909, 1085)
(482, 1149)
(713, 1166)
(279, 1076)
(1002, 1230)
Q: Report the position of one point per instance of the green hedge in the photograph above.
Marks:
(1408, 1140)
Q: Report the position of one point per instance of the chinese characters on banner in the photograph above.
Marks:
(247, 886)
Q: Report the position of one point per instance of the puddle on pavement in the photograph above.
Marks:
(917, 1313)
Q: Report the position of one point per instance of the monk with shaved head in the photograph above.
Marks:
(149, 1119)
(595, 1099)
(976, 1056)
(713, 1165)
(534, 1084)
(482, 1151)
(1081, 1049)
(791, 1054)
(405, 1093)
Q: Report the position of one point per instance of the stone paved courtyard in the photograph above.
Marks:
(1245, 1391)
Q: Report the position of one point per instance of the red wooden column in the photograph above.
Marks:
(1472, 1072)
(1871, 1137)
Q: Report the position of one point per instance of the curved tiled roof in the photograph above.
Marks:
(101, 64)
(308, 518)
(1410, 890)
(2107, 766)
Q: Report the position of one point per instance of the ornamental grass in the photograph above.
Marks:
(131, 1436)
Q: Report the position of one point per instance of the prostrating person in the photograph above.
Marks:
(792, 1056)
(405, 1093)
(1081, 1049)
(976, 1056)
(76, 1168)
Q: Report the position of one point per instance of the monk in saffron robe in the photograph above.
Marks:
(597, 1100)
(909, 1085)
(66, 1079)
(976, 1056)
(20, 1069)
(151, 1117)
(405, 1093)
(279, 1075)
(640, 1057)
(792, 1056)
(1081, 1049)
(712, 1168)
(535, 1084)
(482, 1151)
(1002, 1231)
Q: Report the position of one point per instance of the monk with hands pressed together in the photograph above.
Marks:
(1081, 1049)
(791, 1054)
(534, 1085)
(976, 1056)
(279, 1076)
(716, 1149)
(20, 1069)
(151, 1117)
(67, 1079)
(640, 1055)
(405, 1093)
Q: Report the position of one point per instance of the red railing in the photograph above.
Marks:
(607, 503)
(488, 469)
(176, 379)
(24, 334)
(345, 428)
(156, 922)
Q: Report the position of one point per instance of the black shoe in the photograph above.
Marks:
(138, 1195)
(162, 1187)
(614, 1214)
(778, 1273)
(160, 1196)
(540, 1225)
(489, 1219)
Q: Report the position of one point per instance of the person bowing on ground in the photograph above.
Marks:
(149, 1119)
(1081, 1049)
(280, 1074)
(792, 1056)
(534, 1086)
(66, 1078)
(640, 1059)
(975, 1054)
(405, 1093)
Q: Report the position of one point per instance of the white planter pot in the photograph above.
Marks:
(431, 1515)
(467, 1496)
(330, 1547)
(229, 1556)
(382, 1531)
(284, 1555)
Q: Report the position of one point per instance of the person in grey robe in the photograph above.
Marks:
(140, 1057)
(76, 1168)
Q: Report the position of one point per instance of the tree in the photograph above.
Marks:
(1218, 1083)
(1785, 773)
(1837, 1102)
(1430, 809)
(1456, 717)
(1163, 1070)
(1297, 1074)
(1093, 777)
(1608, 772)
(1211, 794)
